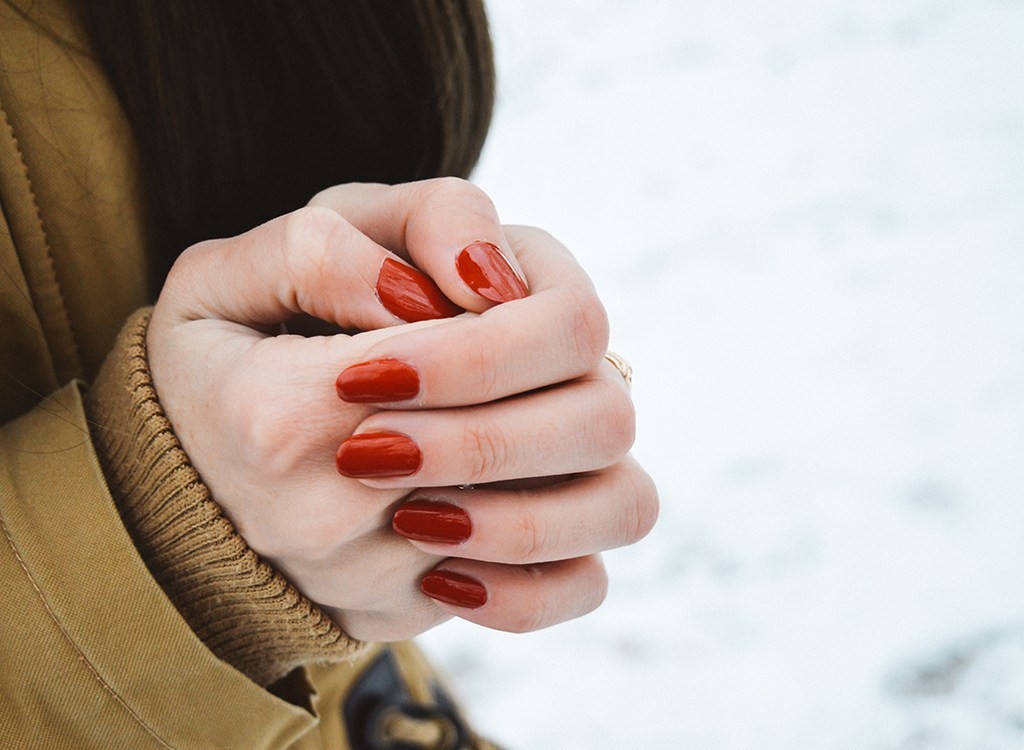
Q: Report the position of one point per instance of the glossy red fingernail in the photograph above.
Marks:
(378, 381)
(410, 295)
(432, 521)
(378, 454)
(488, 273)
(454, 588)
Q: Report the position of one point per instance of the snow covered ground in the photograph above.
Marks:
(807, 220)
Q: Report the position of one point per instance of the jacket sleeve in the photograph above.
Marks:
(240, 607)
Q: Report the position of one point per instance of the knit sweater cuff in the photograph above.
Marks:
(243, 610)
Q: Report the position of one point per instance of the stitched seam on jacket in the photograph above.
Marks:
(50, 264)
(81, 655)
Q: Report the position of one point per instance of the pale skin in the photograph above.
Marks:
(513, 391)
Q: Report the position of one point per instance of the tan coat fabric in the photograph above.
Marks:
(131, 613)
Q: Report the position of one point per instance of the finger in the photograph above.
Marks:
(447, 227)
(387, 605)
(581, 516)
(309, 262)
(559, 332)
(518, 599)
(583, 425)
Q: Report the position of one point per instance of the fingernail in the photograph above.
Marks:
(454, 588)
(378, 454)
(488, 273)
(410, 295)
(377, 381)
(432, 521)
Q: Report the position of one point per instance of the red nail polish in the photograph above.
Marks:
(410, 295)
(378, 381)
(454, 588)
(378, 454)
(432, 521)
(488, 273)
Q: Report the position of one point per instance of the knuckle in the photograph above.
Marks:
(186, 259)
(621, 420)
(532, 615)
(311, 225)
(453, 188)
(487, 450)
(611, 436)
(307, 530)
(314, 540)
(322, 198)
(187, 270)
(447, 185)
(268, 438)
(588, 328)
(644, 507)
(451, 192)
(522, 236)
(263, 441)
(308, 234)
(531, 539)
(329, 195)
(481, 365)
(598, 591)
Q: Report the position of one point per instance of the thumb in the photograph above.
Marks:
(312, 262)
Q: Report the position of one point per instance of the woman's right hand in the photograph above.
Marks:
(258, 413)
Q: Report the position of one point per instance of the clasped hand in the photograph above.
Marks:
(464, 463)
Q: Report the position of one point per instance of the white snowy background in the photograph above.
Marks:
(806, 218)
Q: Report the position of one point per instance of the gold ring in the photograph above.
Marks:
(620, 364)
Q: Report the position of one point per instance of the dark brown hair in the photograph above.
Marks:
(243, 110)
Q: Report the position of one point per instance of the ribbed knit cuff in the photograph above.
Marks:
(241, 608)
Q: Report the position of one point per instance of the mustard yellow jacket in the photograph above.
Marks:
(132, 615)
